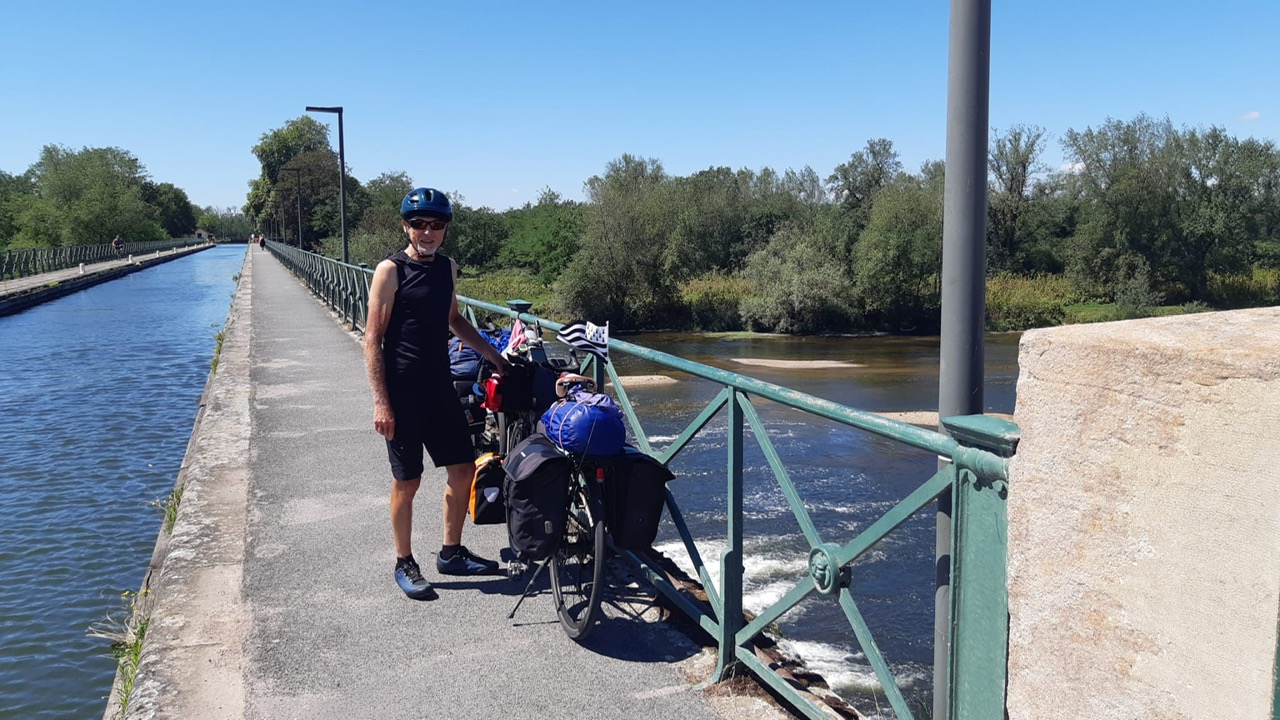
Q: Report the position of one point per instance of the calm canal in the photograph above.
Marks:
(98, 393)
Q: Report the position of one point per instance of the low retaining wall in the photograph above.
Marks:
(1144, 512)
(192, 662)
(19, 301)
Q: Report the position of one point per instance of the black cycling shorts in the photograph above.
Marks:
(432, 419)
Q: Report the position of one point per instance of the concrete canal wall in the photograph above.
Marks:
(1144, 513)
(29, 297)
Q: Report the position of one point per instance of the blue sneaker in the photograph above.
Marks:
(465, 563)
(409, 578)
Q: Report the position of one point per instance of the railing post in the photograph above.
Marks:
(731, 558)
(979, 591)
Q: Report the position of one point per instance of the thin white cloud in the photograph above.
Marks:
(1071, 167)
(1250, 116)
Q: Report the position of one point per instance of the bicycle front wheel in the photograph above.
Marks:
(577, 568)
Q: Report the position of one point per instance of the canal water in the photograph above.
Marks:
(98, 393)
(847, 478)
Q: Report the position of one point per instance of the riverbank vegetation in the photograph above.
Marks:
(1144, 218)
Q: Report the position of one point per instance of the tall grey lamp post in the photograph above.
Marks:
(297, 174)
(342, 173)
(961, 357)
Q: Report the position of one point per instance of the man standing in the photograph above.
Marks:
(412, 309)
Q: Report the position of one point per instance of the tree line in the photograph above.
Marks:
(89, 196)
(1143, 215)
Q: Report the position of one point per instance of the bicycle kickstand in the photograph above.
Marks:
(541, 566)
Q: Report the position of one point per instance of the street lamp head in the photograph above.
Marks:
(336, 109)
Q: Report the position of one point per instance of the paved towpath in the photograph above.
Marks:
(277, 600)
(29, 282)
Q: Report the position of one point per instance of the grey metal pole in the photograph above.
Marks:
(964, 261)
(342, 186)
(299, 176)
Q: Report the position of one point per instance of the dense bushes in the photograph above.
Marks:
(1018, 303)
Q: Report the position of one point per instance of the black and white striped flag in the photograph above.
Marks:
(586, 336)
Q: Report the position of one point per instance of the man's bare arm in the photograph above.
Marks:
(382, 295)
(467, 332)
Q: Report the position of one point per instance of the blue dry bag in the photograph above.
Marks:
(587, 424)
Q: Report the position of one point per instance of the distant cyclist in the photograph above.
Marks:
(118, 246)
(412, 310)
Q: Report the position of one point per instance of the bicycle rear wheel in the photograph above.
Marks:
(513, 428)
(578, 566)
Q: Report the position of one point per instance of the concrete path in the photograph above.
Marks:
(314, 626)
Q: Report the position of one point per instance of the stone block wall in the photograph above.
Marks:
(1144, 519)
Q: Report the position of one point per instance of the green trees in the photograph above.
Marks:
(303, 145)
(543, 237)
(1173, 206)
(855, 183)
(898, 258)
(1143, 212)
(229, 223)
(177, 214)
(618, 273)
(83, 197)
(799, 285)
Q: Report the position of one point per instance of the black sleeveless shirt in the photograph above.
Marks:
(416, 341)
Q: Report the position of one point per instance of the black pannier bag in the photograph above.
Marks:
(537, 487)
(634, 495)
(488, 505)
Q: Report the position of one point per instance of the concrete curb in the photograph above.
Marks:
(23, 299)
(191, 590)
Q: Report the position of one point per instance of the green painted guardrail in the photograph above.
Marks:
(343, 287)
(976, 454)
(33, 261)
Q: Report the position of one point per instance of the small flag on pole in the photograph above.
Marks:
(516, 340)
(586, 336)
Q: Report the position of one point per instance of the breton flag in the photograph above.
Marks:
(586, 336)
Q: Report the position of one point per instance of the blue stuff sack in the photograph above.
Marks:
(464, 363)
(587, 424)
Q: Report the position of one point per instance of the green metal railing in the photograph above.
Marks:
(33, 261)
(343, 287)
(976, 457)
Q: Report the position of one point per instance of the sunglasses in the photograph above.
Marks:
(425, 224)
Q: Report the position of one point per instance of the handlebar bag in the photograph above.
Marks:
(537, 490)
(513, 391)
(587, 424)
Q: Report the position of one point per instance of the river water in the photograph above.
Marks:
(847, 478)
(98, 393)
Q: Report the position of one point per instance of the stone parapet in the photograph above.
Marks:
(1144, 513)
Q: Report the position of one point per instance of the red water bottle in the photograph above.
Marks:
(492, 394)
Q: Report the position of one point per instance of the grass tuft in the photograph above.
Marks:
(126, 637)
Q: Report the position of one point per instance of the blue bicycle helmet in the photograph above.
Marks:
(426, 202)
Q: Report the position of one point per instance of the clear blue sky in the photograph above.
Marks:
(500, 99)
